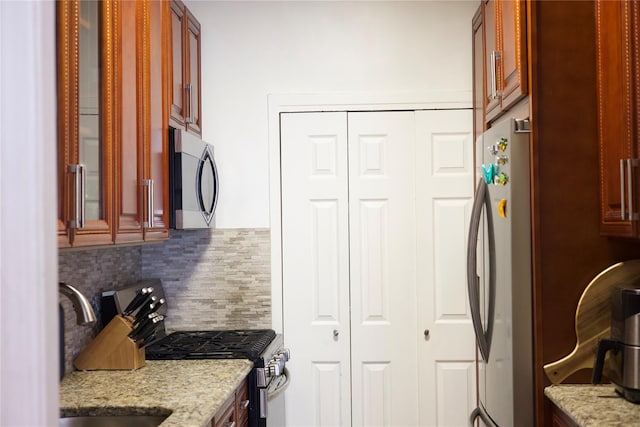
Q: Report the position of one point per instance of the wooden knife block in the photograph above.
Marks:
(112, 349)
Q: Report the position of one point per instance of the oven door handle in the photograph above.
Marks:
(266, 394)
(272, 394)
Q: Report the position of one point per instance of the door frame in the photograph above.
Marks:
(291, 103)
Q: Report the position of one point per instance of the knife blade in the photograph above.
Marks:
(138, 300)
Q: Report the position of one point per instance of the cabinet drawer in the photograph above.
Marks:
(242, 405)
(226, 417)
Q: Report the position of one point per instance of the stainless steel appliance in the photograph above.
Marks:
(193, 181)
(499, 276)
(266, 381)
(624, 345)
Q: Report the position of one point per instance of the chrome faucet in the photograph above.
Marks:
(84, 312)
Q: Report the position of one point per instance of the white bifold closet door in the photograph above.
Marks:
(351, 274)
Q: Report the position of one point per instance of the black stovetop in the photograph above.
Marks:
(222, 344)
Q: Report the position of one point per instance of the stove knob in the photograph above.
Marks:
(285, 353)
(274, 369)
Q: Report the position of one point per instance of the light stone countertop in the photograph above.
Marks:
(594, 405)
(191, 390)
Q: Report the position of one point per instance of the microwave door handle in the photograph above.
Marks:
(473, 281)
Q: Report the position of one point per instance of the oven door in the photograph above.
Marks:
(194, 187)
(272, 400)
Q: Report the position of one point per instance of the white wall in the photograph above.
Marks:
(253, 49)
(28, 245)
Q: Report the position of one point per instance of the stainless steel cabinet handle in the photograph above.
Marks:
(626, 182)
(79, 184)
(622, 205)
(231, 424)
(151, 202)
(244, 404)
(493, 75)
(149, 184)
(188, 118)
(630, 188)
(494, 59)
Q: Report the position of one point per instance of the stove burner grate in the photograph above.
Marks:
(223, 344)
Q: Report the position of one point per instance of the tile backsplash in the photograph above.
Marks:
(92, 271)
(217, 279)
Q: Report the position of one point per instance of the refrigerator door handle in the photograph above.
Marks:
(482, 414)
(483, 336)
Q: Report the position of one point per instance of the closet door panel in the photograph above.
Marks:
(316, 267)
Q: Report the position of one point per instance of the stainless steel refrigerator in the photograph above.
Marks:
(499, 277)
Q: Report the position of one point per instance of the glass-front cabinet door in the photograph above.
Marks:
(85, 117)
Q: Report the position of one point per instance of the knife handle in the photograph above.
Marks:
(145, 310)
(145, 328)
(137, 301)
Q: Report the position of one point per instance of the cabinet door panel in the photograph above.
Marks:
(615, 99)
(492, 99)
(128, 165)
(178, 112)
(514, 52)
(156, 155)
(85, 53)
(68, 46)
(193, 65)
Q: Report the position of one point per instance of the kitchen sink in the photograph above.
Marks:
(113, 421)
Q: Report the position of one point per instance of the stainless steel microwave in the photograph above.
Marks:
(193, 181)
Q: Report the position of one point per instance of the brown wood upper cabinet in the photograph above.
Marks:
(186, 89)
(505, 55)
(618, 75)
(113, 122)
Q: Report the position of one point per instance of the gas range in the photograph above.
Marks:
(266, 381)
(252, 344)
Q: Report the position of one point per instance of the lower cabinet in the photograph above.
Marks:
(557, 417)
(235, 411)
